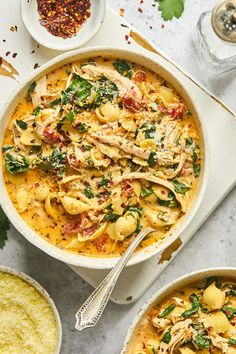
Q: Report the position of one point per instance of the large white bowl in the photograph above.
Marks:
(102, 262)
(45, 295)
(170, 288)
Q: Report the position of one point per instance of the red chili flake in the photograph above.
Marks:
(140, 76)
(122, 11)
(126, 37)
(140, 10)
(1, 61)
(7, 53)
(14, 55)
(63, 18)
(141, 1)
(122, 25)
(36, 65)
(4, 40)
(33, 51)
(13, 28)
(162, 26)
(129, 42)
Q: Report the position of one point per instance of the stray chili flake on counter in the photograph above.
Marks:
(63, 18)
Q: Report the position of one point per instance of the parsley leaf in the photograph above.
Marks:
(5, 226)
(170, 8)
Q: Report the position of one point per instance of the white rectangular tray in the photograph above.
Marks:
(219, 120)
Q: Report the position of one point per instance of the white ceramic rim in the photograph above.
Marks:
(102, 262)
(45, 295)
(46, 39)
(174, 284)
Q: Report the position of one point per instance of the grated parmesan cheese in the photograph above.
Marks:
(27, 323)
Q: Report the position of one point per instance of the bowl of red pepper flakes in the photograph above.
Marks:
(65, 24)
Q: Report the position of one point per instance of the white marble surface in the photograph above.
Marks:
(213, 245)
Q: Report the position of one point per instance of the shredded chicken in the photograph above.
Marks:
(123, 83)
(40, 90)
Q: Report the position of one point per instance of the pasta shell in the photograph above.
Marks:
(74, 206)
(95, 235)
(108, 113)
(29, 138)
(48, 206)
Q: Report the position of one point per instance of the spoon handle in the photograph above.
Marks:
(92, 309)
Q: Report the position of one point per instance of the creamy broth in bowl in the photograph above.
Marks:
(96, 150)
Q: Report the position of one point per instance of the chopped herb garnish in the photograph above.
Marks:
(145, 192)
(36, 111)
(16, 163)
(180, 187)
(23, 125)
(88, 192)
(112, 217)
(67, 118)
(87, 147)
(167, 311)
(148, 130)
(167, 337)
(152, 158)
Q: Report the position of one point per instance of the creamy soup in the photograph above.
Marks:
(199, 318)
(97, 150)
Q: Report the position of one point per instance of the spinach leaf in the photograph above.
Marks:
(68, 117)
(232, 341)
(148, 129)
(31, 89)
(180, 187)
(23, 125)
(35, 149)
(229, 311)
(4, 226)
(196, 165)
(82, 128)
(16, 163)
(167, 337)
(152, 158)
(36, 111)
(105, 92)
(202, 342)
(189, 141)
(78, 91)
(146, 191)
(105, 181)
(137, 210)
(55, 102)
(196, 305)
(123, 68)
(231, 292)
(167, 311)
(7, 147)
(112, 217)
(55, 163)
(88, 192)
(171, 203)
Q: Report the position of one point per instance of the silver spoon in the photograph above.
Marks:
(92, 309)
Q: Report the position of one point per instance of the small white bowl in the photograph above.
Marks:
(30, 18)
(170, 288)
(45, 295)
